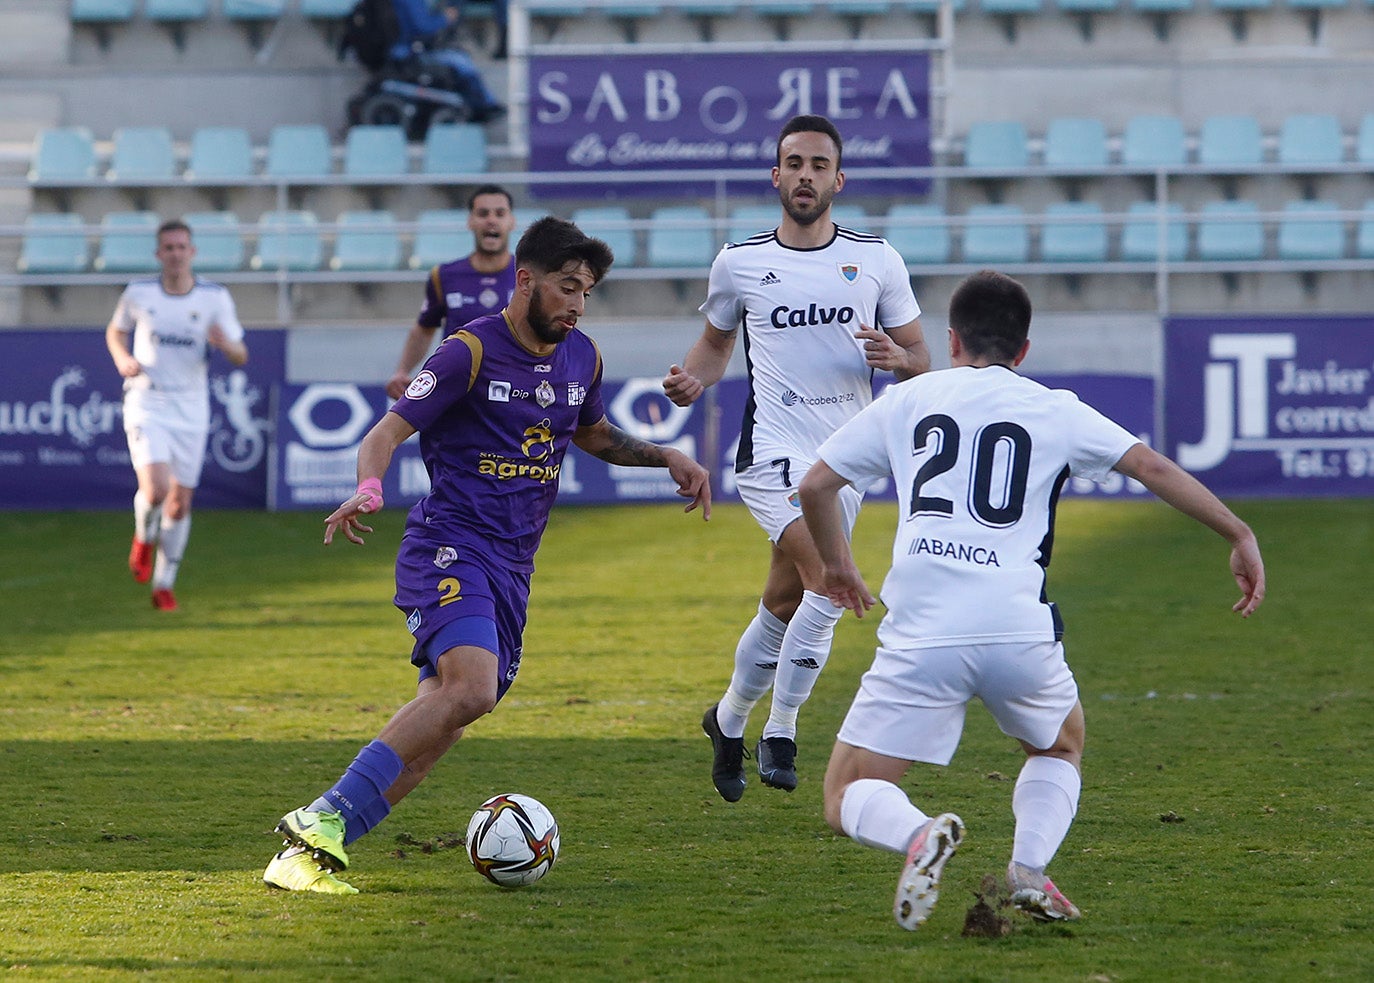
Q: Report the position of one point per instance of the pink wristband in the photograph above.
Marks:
(372, 488)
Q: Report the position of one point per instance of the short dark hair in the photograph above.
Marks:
(173, 225)
(991, 314)
(552, 243)
(812, 124)
(490, 189)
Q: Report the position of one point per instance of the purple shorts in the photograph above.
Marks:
(452, 595)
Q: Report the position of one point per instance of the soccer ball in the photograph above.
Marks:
(512, 840)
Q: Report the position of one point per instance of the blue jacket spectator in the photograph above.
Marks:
(425, 31)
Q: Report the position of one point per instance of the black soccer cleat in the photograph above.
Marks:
(778, 762)
(727, 766)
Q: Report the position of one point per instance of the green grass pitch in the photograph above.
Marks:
(1226, 830)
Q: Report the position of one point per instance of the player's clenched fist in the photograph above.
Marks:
(681, 387)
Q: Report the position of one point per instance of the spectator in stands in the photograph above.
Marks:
(479, 284)
(429, 32)
(174, 320)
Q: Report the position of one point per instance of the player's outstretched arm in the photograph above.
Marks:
(374, 457)
(615, 446)
(703, 367)
(820, 502)
(1185, 493)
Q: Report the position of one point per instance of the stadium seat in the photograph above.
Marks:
(375, 152)
(1153, 141)
(252, 10)
(219, 243)
(1073, 232)
(298, 151)
(1310, 138)
(288, 240)
(1230, 230)
(1075, 142)
(1311, 230)
(53, 243)
(1364, 232)
(1001, 236)
(326, 9)
(128, 243)
(102, 11)
(1140, 234)
(175, 10)
(609, 223)
(441, 236)
(1000, 144)
(1230, 141)
(681, 235)
(1364, 141)
(455, 148)
(913, 233)
(63, 154)
(143, 154)
(223, 152)
(366, 241)
(748, 220)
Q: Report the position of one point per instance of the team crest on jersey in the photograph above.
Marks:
(413, 622)
(850, 271)
(422, 385)
(543, 394)
(445, 556)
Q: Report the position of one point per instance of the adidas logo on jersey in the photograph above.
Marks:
(769, 278)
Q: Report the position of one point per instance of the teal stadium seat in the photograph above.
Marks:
(128, 243)
(913, 230)
(326, 9)
(366, 240)
(219, 243)
(299, 151)
(53, 243)
(253, 10)
(681, 236)
(609, 223)
(1230, 230)
(1073, 232)
(375, 152)
(1075, 142)
(1310, 230)
(455, 148)
(288, 240)
(63, 154)
(1230, 141)
(1140, 242)
(102, 11)
(1364, 141)
(441, 236)
(1310, 138)
(1000, 237)
(1154, 141)
(143, 154)
(996, 144)
(220, 153)
(176, 10)
(1364, 232)
(748, 220)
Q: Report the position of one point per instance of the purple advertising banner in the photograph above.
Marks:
(1279, 407)
(62, 441)
(712, 112)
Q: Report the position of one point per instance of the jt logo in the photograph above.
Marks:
(1235, 395)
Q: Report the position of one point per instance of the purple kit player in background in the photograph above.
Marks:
(496, 407)
(480, 283)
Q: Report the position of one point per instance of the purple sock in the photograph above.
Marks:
(356, 794)
(373, 813)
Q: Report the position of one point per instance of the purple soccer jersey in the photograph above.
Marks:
(495, 421)
(455, 294)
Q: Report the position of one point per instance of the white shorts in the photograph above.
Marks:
(911, 703)
(770, 492)
(162, 435)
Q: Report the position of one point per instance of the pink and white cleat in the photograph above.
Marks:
(919, 887)
(1036, 895)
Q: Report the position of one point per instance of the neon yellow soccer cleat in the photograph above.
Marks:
(322, 833)
(296, 870)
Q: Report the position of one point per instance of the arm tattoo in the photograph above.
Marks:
(623, 449)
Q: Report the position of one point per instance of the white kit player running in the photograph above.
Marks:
(174, 320)
(822, 307)
(979, 455)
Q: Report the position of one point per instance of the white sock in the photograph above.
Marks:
(878, 814)
(805, 649)
(1044, 804)
(171, 547)
(756, 662)
(147, 519)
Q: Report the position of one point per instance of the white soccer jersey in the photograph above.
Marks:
(169, 340)
(800, 309)
(979, 456)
